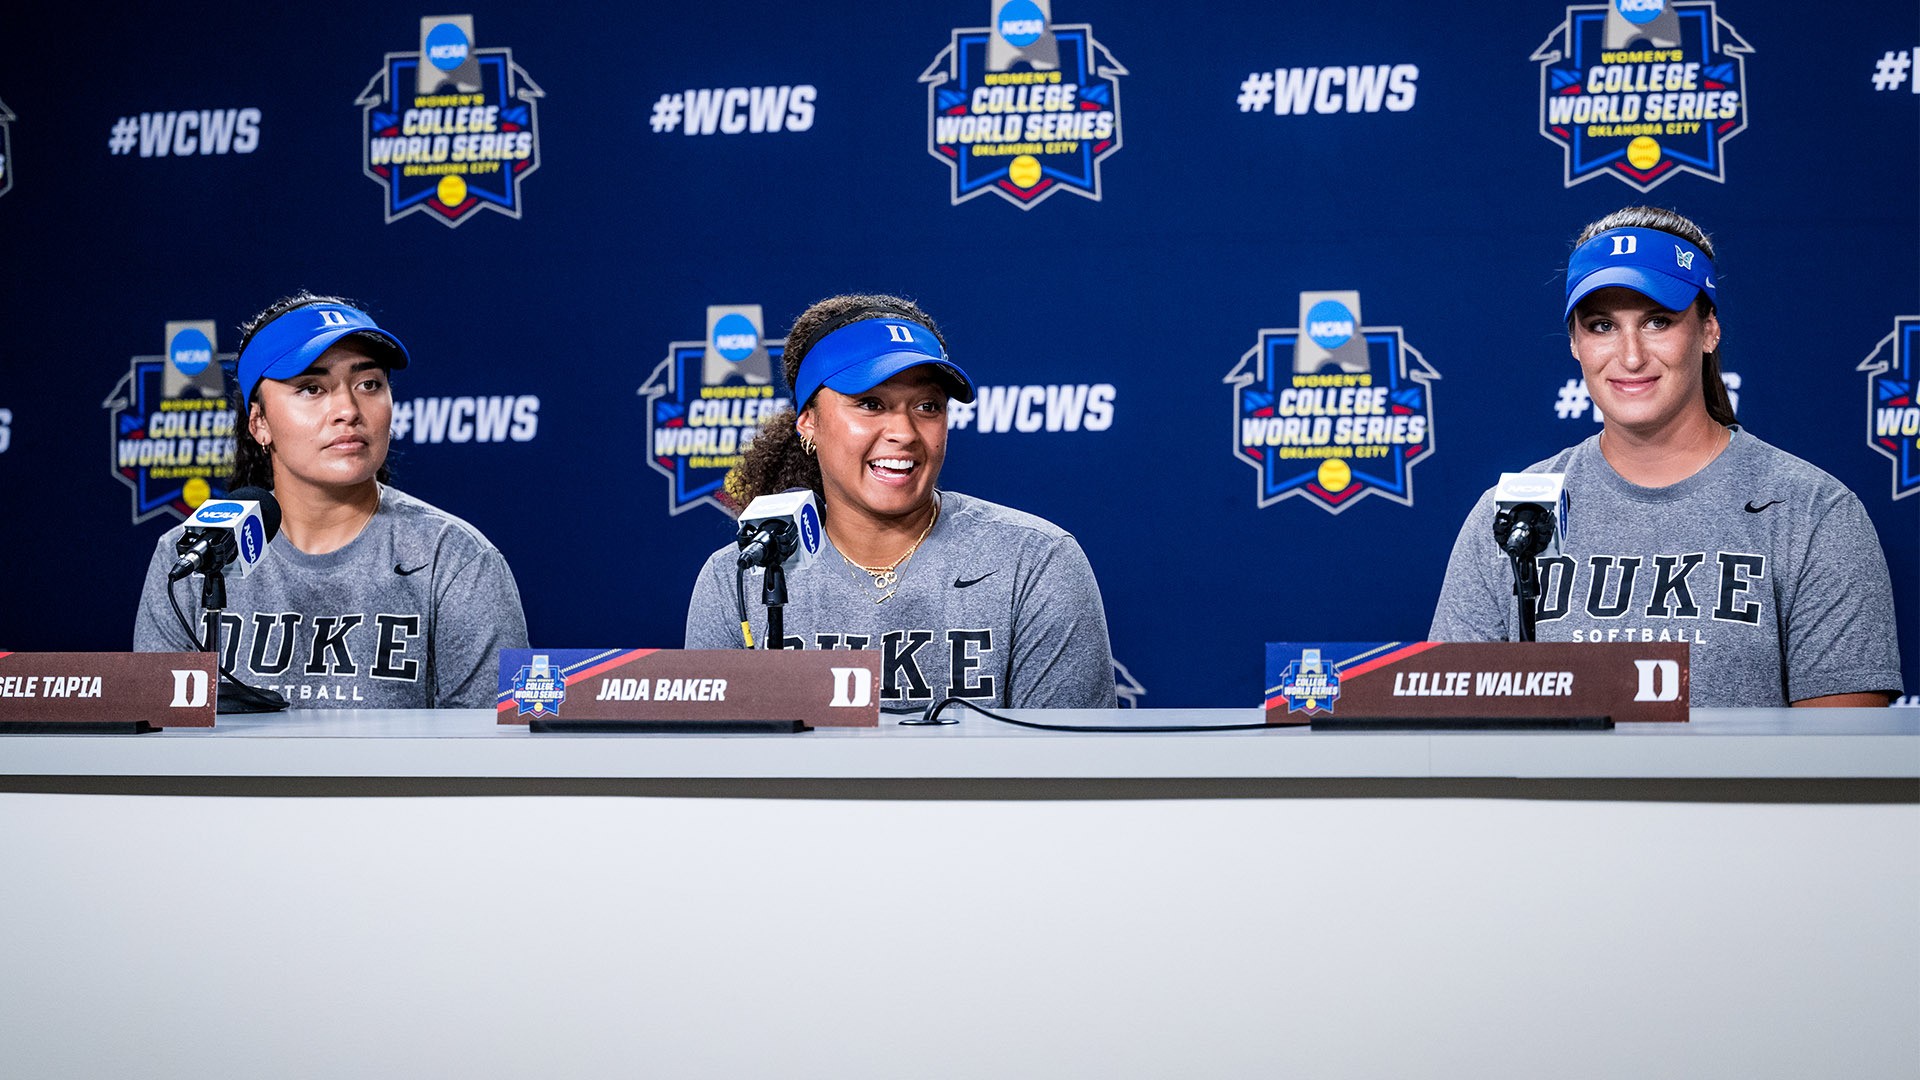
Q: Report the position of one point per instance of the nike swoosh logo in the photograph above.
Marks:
(960, 584)
(1752, 509)
(403, 571)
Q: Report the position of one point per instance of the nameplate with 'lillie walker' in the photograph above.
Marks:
(1376, 679)
(822, 688)
(99, 689)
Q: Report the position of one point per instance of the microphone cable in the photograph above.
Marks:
(248, 698)
(931, 718)
(740, 594)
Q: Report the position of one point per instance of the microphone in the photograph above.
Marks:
(225, 531)
(1532, 516)
(781, 530)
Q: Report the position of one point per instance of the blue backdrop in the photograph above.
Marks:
(1114, 209)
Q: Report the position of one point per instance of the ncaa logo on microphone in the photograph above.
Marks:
(218, 513)
(810, 528)
(253, 540)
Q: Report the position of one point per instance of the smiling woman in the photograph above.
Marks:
(963, 597)
(1684, 527)
(369, 598)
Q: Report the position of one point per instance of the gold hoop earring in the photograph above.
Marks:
(807, 444)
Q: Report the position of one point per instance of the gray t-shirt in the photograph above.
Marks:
(1769, 568)
(411, 614)
(998, 607)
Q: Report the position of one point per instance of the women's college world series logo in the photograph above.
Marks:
(1023, 108)
(1893, 402)
(171, 426)
(706, 401)
(1643, 90)
(1331, 409)
(452, 128)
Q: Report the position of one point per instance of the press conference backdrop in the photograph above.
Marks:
(1260, 297)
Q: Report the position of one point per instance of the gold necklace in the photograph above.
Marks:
(888, 577)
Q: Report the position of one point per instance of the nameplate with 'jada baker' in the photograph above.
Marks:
(697, 689)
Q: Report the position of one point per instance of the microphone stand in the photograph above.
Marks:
(773, 593)
(233, 696)
(769, 547)
(1526, 586)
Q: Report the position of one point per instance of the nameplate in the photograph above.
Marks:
(1624, 680)
(157, 689)
(824, 688)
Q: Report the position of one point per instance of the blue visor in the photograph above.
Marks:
(290, 343)
(862, 355)
(1656, 264)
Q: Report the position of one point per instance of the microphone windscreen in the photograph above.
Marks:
(269, 507)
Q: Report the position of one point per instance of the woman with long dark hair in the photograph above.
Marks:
(965, 598)
(1685, 527)
(369, 598)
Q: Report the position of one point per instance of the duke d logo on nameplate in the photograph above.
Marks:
(830, 688)
(1467, 680)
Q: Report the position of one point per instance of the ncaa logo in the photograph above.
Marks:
(735, 337)
(1330, 324)
(219, 513)
(1521, 487)
(447, 46)
(191, 352)
(253, 540)
(810, 528)
(1021, 23)
(1640, 12)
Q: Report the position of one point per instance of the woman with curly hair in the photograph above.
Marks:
(964, 598)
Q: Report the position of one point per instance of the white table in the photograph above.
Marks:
(357, 894)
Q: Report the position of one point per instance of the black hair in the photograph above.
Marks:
(253, 463)
(1719, 405)
(775, 460)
